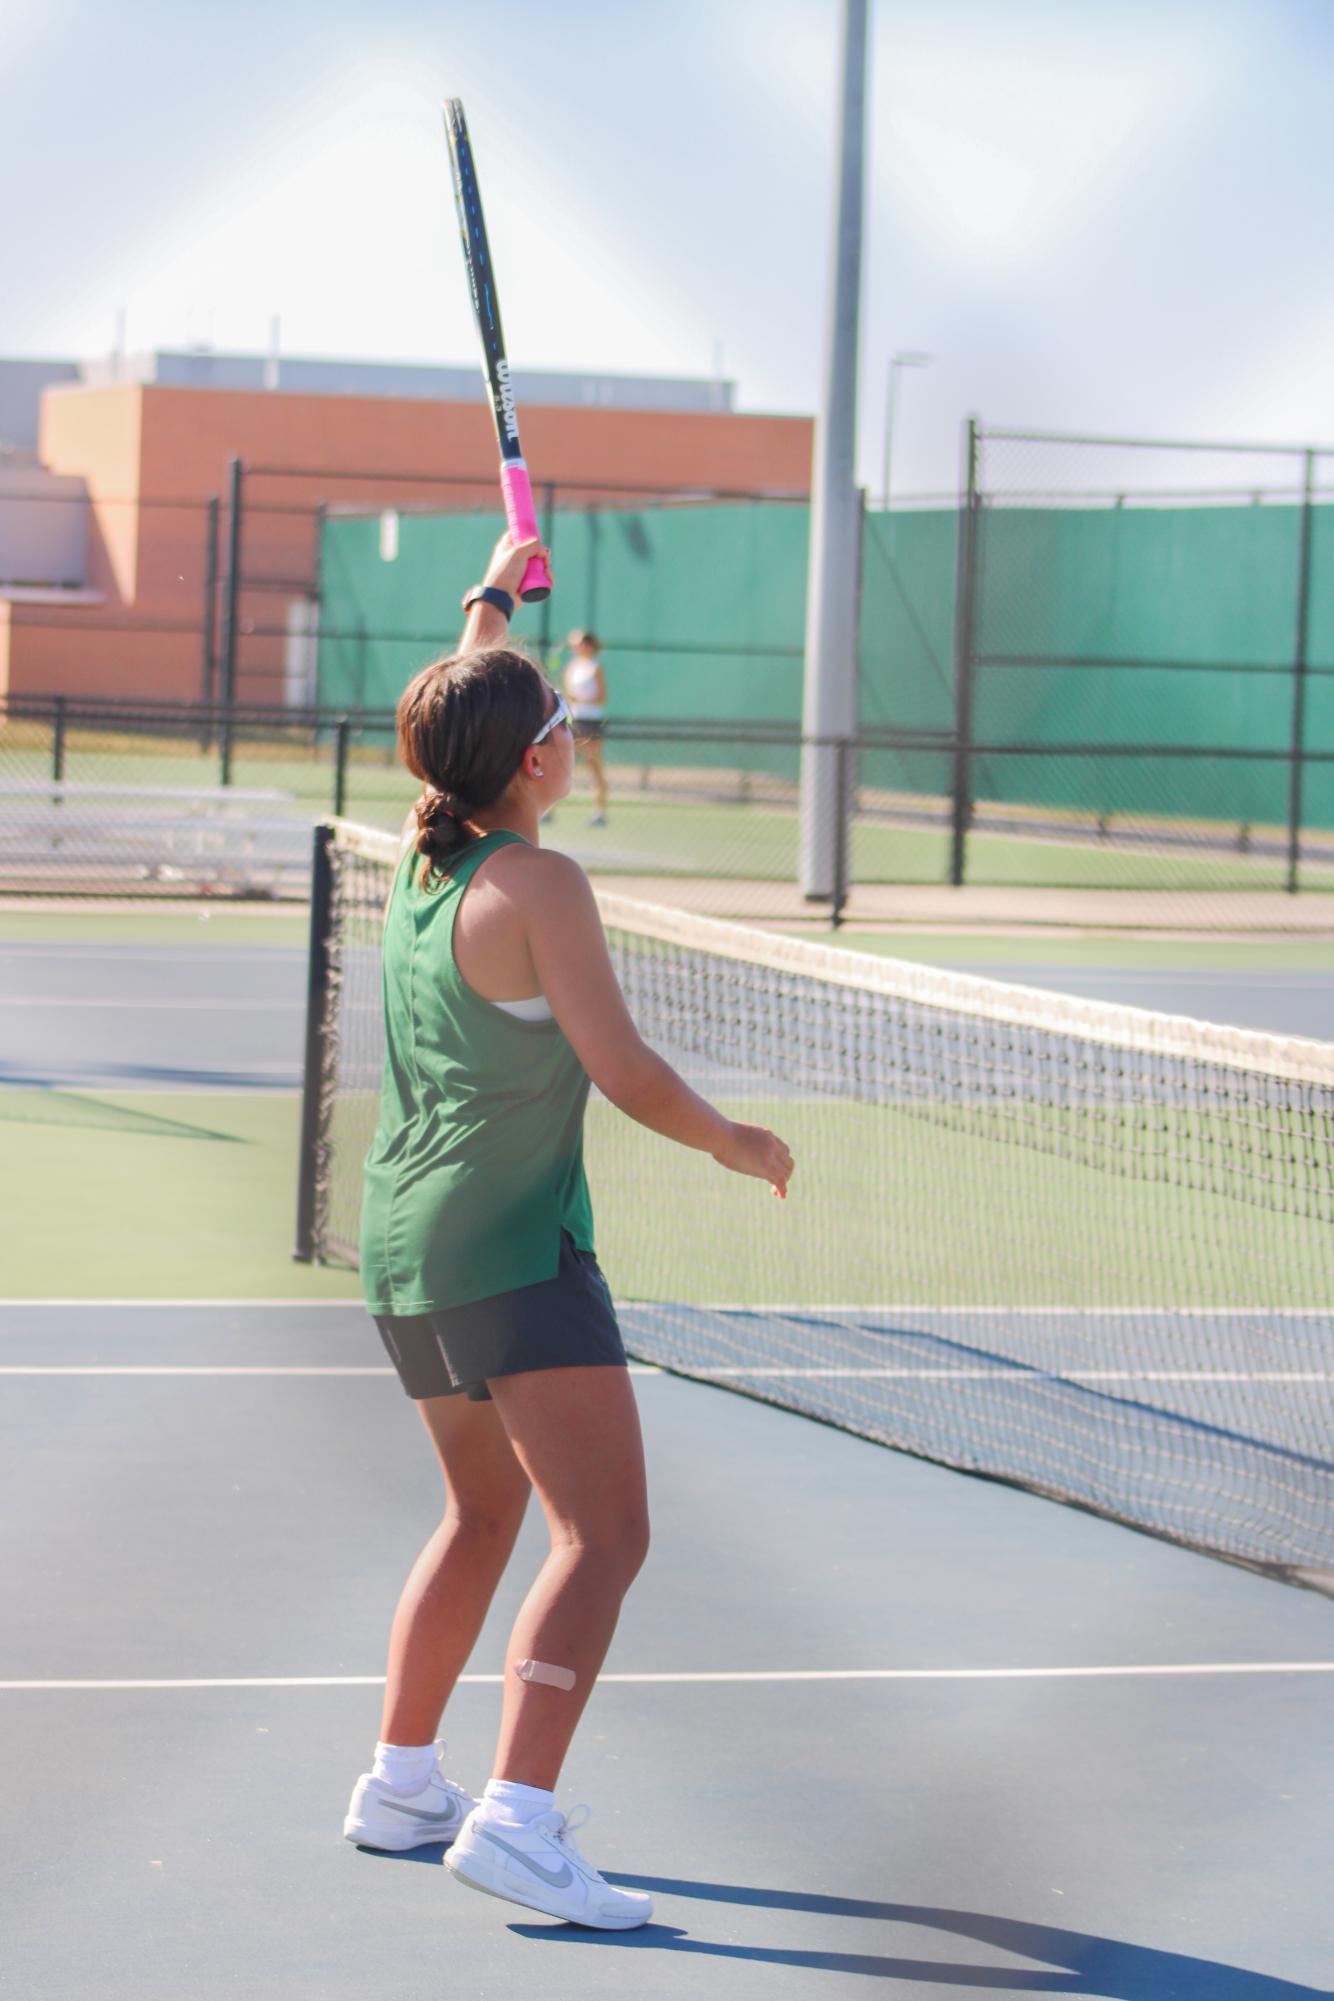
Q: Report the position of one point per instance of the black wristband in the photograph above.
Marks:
(489, 594)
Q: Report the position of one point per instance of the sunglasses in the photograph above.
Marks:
(560, 714)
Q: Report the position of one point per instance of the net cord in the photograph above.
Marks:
(1111, 1024)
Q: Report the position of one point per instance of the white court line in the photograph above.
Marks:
(787, 1308)
(134, 955)
(798, 1311)
(164, 1369)
(738, 1373)
(104, 1089)
(1018, 1373)
(155, 1369)
(97, 1003)
(747, 1676)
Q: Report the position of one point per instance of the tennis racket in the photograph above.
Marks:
(514, 483)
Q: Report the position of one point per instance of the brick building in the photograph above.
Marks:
(109, 489)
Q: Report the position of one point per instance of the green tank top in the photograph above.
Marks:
(477, 1162)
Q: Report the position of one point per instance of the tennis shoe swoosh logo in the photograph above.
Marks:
(444, 1813)
(558, 1878)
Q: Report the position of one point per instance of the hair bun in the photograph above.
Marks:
(434, 806)
(440, 829)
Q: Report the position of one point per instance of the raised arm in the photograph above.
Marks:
(486, 624)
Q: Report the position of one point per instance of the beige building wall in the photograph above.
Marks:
(97, 433)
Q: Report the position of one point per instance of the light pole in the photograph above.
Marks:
(909, 358)
(829, 692)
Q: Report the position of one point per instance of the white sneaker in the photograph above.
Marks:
(378, 1817)
(539, 1865)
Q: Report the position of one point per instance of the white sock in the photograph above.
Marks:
(406, 1767)
(514, 1805)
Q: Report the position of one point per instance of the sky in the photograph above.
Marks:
(1096, 215)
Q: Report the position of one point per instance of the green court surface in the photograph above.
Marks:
(951, 1206)
(118, 1195)
(205, 924)
(158, 1196)
(698, 838)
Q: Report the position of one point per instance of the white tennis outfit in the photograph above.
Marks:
(581, 691)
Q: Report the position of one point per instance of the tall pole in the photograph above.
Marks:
(829, 706)
(965, 609)
(1300, 665)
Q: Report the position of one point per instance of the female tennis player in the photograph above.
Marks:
(585, 686)
(501, 1004)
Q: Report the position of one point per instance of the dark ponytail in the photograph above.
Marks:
(463, 726)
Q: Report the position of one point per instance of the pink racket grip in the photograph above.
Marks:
(522, 521)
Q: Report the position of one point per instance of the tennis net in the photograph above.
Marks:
(1085, 1249)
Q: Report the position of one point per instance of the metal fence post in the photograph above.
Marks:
(964, 607)
(342, 735)
(593, 567)
(208, 659)
(548, 528)
(1299, 677)
(230, 603)
(58, 740)
(312, 1091)
(310, 694)
(843, 771)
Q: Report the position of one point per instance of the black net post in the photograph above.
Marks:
(312, 1090)
(964, 609)
(58, 740)
(230, 605)
(342, 738)
(1299, 677)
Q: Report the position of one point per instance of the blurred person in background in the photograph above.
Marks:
(585, 687)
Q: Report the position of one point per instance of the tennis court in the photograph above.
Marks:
(864, 1717)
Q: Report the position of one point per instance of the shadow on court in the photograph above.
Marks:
(1074, 1962)
(38, 1105)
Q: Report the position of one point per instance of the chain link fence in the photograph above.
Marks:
(1108, 669)
(1144, 657)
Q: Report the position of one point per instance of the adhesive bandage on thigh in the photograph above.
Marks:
(553, 1677)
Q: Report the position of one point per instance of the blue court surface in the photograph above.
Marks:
(865, 1719)
(170, 1017)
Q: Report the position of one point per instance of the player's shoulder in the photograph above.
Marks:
(532, 877)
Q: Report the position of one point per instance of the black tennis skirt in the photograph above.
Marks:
(564, 1322)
